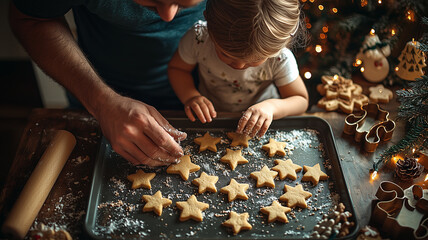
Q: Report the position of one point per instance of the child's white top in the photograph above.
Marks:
(231, 89)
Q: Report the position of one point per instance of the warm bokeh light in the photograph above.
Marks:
(374, 175)
(357, 62)
(322, 36)
(325, 29)
(307, 75)
(364, 3)
(334, 10)
(392, 32)
(362, 69)
(308, 25)
(318, 48)
(410, 15)
(396, 69)
(335, 77)
(379, 1)
(372, 32)
(320, 7)
(426, 177)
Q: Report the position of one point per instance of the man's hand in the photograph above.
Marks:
(139, 133)
(202, 107)
(256, 120)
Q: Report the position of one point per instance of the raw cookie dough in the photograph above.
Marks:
(155, 203)
(274, 147)
(276, 212)
(141, 179)
(207, 142)
(206, 183)
(314, 174)
(235, 190)
(192, 209)
(295, 196)
(233, 158)
(238, 222)
(287, 169)
(238, 139)
(264, 177)
(184, 167)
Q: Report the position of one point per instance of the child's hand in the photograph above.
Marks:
(256, 120)
(202, 107)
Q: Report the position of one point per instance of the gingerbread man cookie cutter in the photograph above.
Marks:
(370, 125)
(402, 214)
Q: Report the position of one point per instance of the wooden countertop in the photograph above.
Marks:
(66, 204)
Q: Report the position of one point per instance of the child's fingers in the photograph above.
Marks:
(206, 112)
(257, 126)
(243, 122)
(250, 124)
(197, 110)
(189, 113)
(264, 127)
(211, 109)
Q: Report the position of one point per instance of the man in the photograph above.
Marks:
(117, 68)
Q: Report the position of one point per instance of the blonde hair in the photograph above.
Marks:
(252, 29)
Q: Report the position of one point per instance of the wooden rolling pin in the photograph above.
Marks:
(38, 186)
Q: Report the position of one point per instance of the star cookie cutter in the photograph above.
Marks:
(370, 125)
(402, 214)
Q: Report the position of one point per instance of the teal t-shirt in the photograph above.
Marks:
(128, 44)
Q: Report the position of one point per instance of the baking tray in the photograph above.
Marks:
(115, 210)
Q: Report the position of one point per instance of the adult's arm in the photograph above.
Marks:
(135, 130)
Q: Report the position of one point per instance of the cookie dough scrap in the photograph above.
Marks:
(184, 167)
(264, 177)
(206, 183)
(155, 203)
(141, 179)
(238, 139)
(235, 190)
(314, 174)
(192, 209)
(238, 222)
(207, 142)
(295, 196)
(274, 147)
(287, 169)
(233, 158)
(276, 212)
(380, 94)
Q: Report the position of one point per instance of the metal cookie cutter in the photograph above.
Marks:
(371, 124)
(402, 214)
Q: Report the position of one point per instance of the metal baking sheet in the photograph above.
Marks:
(115, 210)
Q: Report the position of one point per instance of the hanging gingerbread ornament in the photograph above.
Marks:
(412, 60)
(372, 58)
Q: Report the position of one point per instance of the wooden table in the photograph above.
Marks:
(67, 202)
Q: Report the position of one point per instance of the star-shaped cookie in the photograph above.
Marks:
(274, 147)
(206, 183)
(155, 203)
(207, 142)
(264, 177)
(295, 196)
(141, 179)
(235, 190)
(276, 212)
(314, 174)
(184, 167)
(233, 158)
(238, 222)
(238, 139)
(192, 209)
(287, 169)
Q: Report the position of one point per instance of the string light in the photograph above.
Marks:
(410, 15)
(322, 36)
(374, 175)
(380, 2)
(318, 48)
(307, 75)
(308, 25)
(334, 10)
(325, 29)
(392, 32)
(372, 32)
(320, 7)
(364, 3)
(396, 69)
(362, 69)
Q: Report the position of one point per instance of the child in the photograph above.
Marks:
(243, 63)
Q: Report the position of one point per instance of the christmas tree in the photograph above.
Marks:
(337, 30)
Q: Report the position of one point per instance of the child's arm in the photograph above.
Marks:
(180, 77)
(257, 118)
